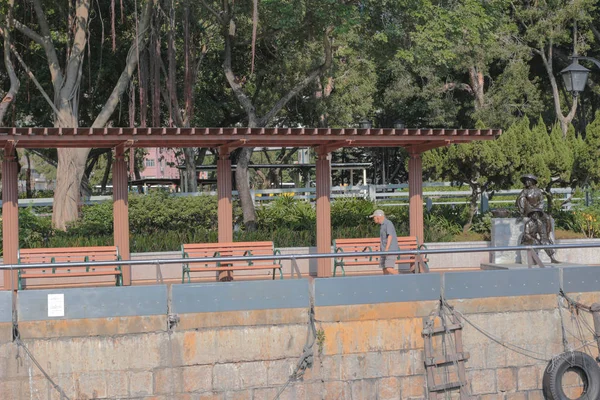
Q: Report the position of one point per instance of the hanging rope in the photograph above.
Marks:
(307, 358)
(513, 347)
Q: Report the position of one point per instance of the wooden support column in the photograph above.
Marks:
(415, 194)
(323, 213)
(10, 216)
(121, 210)
(225, 208)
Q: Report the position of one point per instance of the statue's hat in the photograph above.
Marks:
(529, 176)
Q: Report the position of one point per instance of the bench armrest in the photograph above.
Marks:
(275, 253)
(369, 249)
(248, 253)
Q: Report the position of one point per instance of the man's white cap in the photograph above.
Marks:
(377, 213)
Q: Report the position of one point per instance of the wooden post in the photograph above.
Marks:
(121, 210)
(415, 194)
(10, 216)
(323, 213)
(225, 209)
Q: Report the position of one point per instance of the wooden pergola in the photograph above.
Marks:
(323, 140)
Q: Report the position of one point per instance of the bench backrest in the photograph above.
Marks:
(229, 249)
(68, 254)
(372, 244)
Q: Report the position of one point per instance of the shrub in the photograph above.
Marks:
(286, 212)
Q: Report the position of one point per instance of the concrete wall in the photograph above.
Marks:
(241, 340)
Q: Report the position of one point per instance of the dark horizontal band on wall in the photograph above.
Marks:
(101, 302)
(239, 296)
(481, 284)
(581, 279)
(377, 289)
(106, 302)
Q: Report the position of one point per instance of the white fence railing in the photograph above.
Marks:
(384, 195)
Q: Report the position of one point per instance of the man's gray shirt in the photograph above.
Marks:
(388, 232)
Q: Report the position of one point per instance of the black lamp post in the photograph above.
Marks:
(575, 75)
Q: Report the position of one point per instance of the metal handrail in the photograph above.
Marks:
(302, 256)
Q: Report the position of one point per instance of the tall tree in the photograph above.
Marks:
(544, 25)
(66, 80)
(262, 94)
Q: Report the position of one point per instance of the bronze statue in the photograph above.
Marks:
(538, 228)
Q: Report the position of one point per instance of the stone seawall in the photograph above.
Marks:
(242, 340)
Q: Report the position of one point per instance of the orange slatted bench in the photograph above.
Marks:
(231, 249)
(373, 244)
(67, 255)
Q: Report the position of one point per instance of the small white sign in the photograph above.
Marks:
(56, 305)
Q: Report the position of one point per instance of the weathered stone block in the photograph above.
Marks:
(168, 380)
(239, 395)
(388, 389)
(264, 394)
(535, 395)
(90, 385)
(197, 378)
(506, 379)
(516, 396)
(211, 396)
(117, 384)
(527, 378)
(331, 368)
(140, 383)
(226, 377)
(412, 386)
(337, 390)
(483, 381)
(279, 371)
(401, 363)
(364, 388)
(253, 374)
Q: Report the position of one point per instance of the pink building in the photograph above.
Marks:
(160, 163)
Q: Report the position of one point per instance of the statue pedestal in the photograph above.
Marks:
(508, 232)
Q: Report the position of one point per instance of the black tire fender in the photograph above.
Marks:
(572, 361)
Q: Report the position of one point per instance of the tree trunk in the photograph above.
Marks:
(191, 177)
(477, 83)
(472, 208)
(67, 197)
(29, 192)
(109, 160)
(243, 186)
(564, 120)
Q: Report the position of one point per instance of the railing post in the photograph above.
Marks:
(372, 193)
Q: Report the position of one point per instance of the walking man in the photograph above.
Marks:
(389, 242)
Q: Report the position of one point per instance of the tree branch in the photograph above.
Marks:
(212, 11)
(48, 46)
(36, 82)
(73, 68)
(132, 60)
(244, 100)
(301, 85)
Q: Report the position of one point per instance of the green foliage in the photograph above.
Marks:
(351, 212)
(286, 212)
(33, 229)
